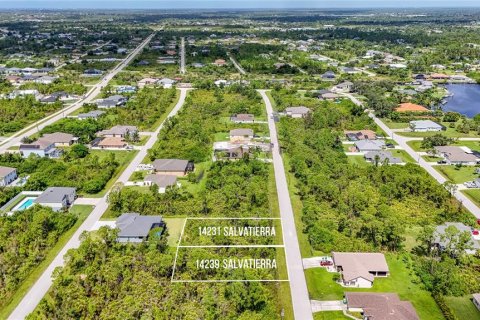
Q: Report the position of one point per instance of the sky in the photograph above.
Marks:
(231, 4)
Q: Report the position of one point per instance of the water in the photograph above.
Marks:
(465, 100)
(26, 204)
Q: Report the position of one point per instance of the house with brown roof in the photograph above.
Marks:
(439, 76)
(411, 107)
(380, 306)
(241, 135)
(60, 139)
(355, 135)
(112, 143)
(243, 118)
(358, 269)
(220, 62)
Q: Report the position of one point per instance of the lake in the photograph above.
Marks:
(465, 100)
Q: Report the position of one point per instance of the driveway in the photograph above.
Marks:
(335, 305)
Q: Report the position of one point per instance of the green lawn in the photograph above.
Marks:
(322, 287)
(395, 125)
(222, 136)
(473, 194)
(411, 234)
(474, 145)
(123, 157)
(330, 315)
(463, 307)
(431, 159)
(457, 174)
(402, 154)
(83, 211)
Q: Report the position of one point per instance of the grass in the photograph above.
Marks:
(123, 157)
(463, 307)
(474, 145)
(411, 234)
(457, 174)
(449, 132)
(322, 287)
(473, 194)
(402, 154)
(395, 125)
(329, 315)
(431, 159)
(82, 211)
(174, 227)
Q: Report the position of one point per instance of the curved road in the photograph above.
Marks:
(40, 288)
(91, 94)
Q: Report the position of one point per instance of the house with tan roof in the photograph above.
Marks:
(60, 139)
(241, 135)
(458, 155)
(112, 143)
(358, 269)
(175, 167)
(411, 107)
(380, 306)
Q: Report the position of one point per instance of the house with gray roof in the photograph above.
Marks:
(94, 114)
(457, 155)
(41, 148)
(358, 269)
(57, 198)
(369, 145)
(163, 181)
(441, 242)
(382, 156)
(425, 126)
(134, 228)
(7, 175)
(60, 139)
(176, 167)
(111, 102)
(242, 134)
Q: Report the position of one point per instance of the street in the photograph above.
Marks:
(40, 288)
(298, 286)
(16, 138)
(182, 56)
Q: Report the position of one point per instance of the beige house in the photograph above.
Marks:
(112, 143)
(241, 135)
(358, 269)
(60, 139)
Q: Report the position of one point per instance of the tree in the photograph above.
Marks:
(78, 151)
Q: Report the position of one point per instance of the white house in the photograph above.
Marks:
(425, 126)
(358, 269)
(57, 198)
(7, 176)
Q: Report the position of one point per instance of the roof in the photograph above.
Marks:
(40, 144)
(54, 194)
(298, 110)
(370, 145)
(162, 180)
(5, 171)
(359, 264)
(361, 134)
(382, 155)
(425, 124)
(170, 165)
(135, 225)
(118, 130)
(112, 141)
(91, 114)
(58, 137)
(243, 116)
(410, 107)
(476, 297)
(440, 230)
(381, 306)
(241, 132)
(456, 154)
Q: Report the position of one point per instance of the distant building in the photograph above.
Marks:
(111, 102)
(118, 131)
(220, 62)
(7, 176)
(411, 107)
(134, 228)
(57, 198)
(91, 115)
(329, 75)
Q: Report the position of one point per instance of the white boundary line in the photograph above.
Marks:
(224, 246)
(176, 253)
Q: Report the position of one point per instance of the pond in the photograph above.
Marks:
(465, 99)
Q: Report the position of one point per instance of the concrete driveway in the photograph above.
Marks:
(335, 305)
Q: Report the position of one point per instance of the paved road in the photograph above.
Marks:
(91, 94)
(236, 64)
(402, 142)
(36, 293)
(298, 286)
(182, 56)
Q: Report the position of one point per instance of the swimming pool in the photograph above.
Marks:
(25, 204)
